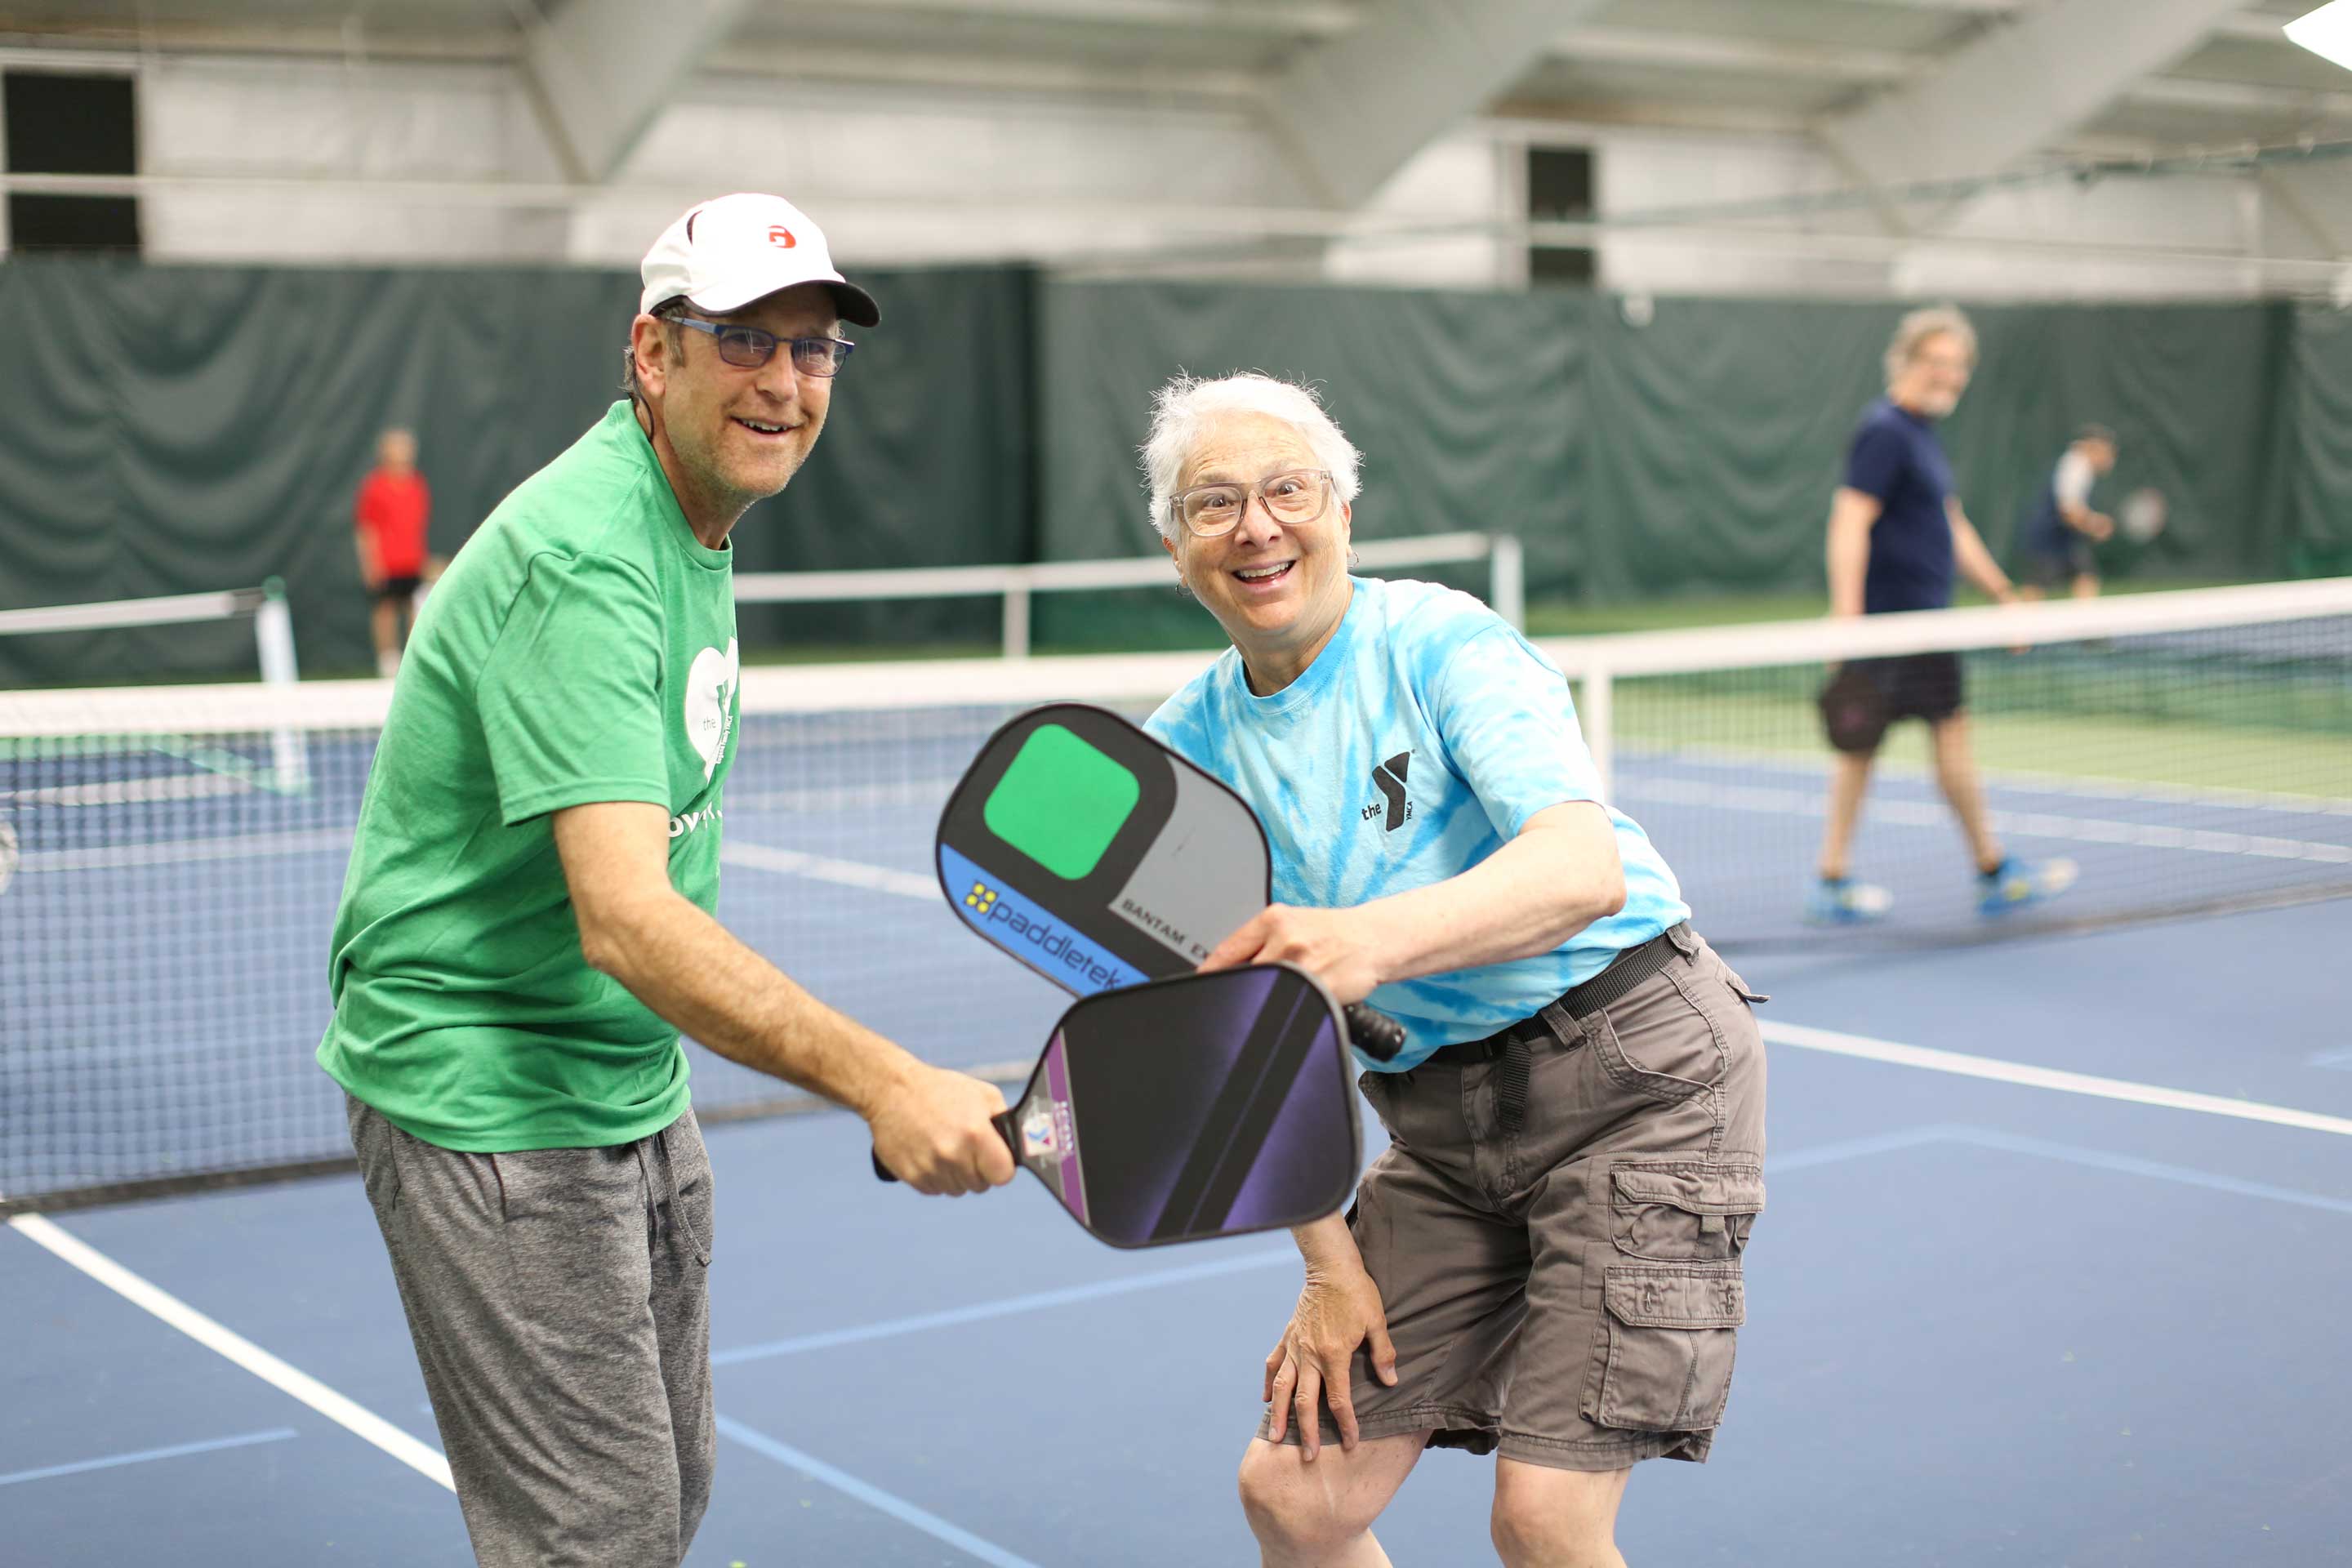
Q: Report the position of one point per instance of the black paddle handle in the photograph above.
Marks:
(1001, 1121)
(1376, 1033)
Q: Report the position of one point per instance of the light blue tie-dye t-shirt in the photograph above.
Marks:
(1420, 742)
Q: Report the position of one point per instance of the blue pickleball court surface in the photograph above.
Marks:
(1989, 1322)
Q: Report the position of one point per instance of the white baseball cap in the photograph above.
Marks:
(724, 253)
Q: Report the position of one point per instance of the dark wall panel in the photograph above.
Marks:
(165, 429)
(170, 429)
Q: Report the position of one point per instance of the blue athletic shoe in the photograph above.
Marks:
(2014, 884)
(1842, 901)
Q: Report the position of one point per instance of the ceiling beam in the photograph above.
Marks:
(1353, 109)
(1130, 81)
(93, 46)
(1700, 51)
(1304, 18)
(2253, 26)
(602, 68)
(2019, 87)
(2275, 104)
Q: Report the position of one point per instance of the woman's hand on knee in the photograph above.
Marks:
(1337, 1311)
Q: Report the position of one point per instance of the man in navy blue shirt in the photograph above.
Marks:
(1897, 532)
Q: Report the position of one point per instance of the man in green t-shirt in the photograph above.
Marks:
(526, 925)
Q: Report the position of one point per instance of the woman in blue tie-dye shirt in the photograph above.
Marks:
(1546, 1260)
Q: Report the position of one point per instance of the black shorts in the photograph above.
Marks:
(2061, 562)
(398, 588)
(1868, 694)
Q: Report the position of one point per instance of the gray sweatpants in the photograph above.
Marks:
(560, 1303)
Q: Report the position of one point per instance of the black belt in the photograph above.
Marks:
(1513, 1043)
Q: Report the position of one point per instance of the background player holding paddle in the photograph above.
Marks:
(1547, 1260)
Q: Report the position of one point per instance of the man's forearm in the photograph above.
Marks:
(693, 972)
(1977, 562)
(1849, 563)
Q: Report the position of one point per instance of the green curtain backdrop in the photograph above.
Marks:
(1468, 408)
(1719, 429)
(171, 429)
(165, 429)
(2314, 490)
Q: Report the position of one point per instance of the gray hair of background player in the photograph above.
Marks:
(1184, 408)
(671, 309)
(1919, 326)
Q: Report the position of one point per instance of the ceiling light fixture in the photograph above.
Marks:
(2326, 32)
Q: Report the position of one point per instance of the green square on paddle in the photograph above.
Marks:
(1060, 802)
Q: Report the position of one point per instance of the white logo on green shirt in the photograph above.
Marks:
(710, 703)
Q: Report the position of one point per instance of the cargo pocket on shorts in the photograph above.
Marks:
(1668, 1339)
(1677, 1211)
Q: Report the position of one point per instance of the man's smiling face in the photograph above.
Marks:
(738, 435)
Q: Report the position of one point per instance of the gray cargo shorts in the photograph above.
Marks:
(1571, 1296)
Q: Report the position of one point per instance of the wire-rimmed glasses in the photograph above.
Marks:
(1294, 496)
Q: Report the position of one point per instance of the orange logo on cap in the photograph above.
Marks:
(780, 237)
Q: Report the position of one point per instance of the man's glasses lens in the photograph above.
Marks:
(749, 348)
(1212, 509)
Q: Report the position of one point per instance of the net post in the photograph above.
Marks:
(273, 630)
(1507, 588)
(1596, 717)
(1016, 620)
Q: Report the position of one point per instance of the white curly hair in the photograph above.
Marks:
(1184, 408)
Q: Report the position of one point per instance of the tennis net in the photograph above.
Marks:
(171, 858)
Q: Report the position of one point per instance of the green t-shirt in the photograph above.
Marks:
(581, 647)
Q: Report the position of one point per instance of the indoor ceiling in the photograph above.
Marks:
(1703, 63)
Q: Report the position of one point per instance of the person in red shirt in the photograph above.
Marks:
(394, 504)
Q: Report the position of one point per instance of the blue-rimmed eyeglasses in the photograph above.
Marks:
(749, 348)
(1300, 495)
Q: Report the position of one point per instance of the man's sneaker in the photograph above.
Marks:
(2014, 884)
(1841, 900)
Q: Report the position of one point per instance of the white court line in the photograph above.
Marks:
(361, 1422)
(1813, 764)
(872, 1496)
(1777, 801)
(824, 868)
(184, 851)
(134, 792)
(1998, 1071)
(933, 793)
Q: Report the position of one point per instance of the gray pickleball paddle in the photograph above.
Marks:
(1098, 858)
